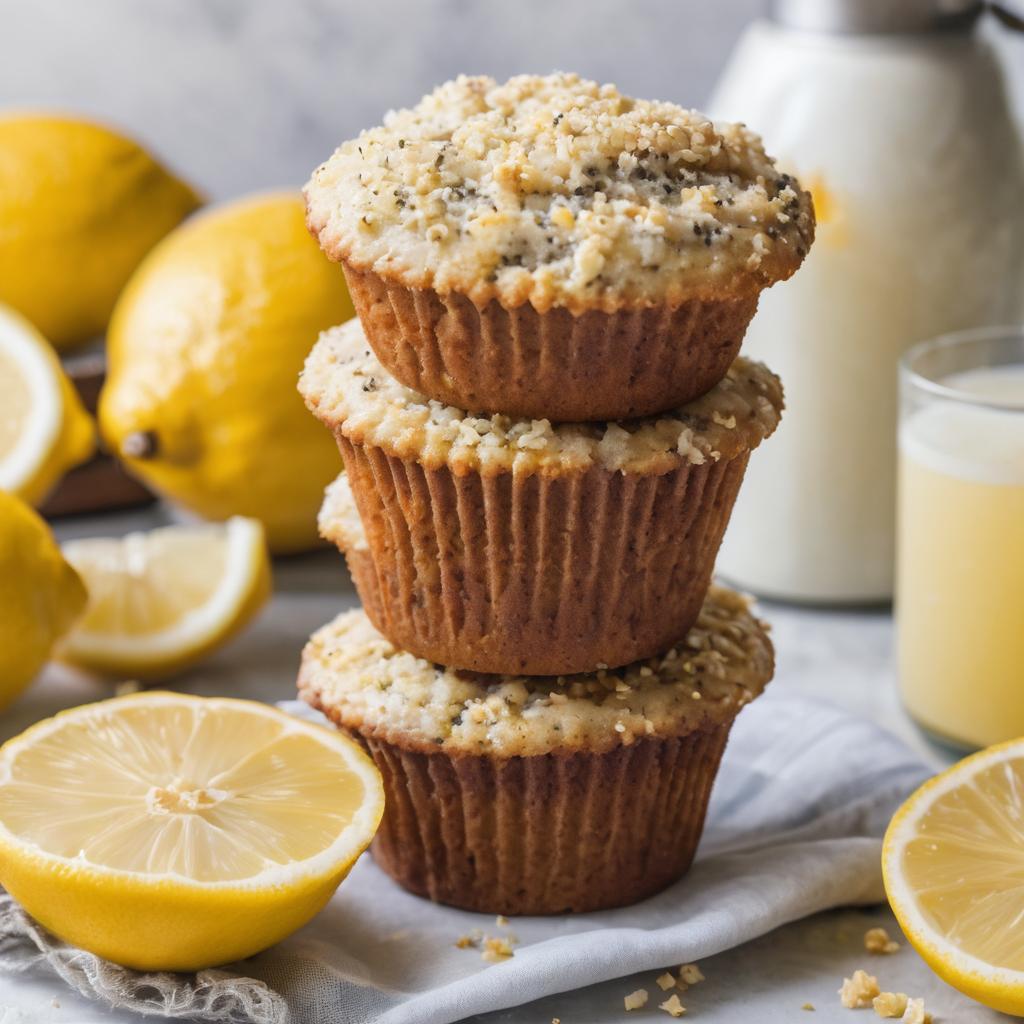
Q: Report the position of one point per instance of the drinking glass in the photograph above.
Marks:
(960, 536)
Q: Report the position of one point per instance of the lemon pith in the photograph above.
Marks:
(161, 601)
(40, 596)
(80, 205)
(953, 864)
(44, 428)
(170, 832)
(204, 348)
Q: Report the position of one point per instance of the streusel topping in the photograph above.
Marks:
(362, 681)
(345, 386)
(560, 191)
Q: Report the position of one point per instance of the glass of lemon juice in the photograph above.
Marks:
(960, 564)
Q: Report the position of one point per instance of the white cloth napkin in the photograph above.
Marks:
(802, 799)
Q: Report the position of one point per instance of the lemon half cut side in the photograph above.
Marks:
(953, 864)
(44, 428)
(169, 832)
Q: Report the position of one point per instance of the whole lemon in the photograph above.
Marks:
(203, 352)
(40, 596)
(80, 205)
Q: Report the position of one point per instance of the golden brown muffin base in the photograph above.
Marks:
(552, 365)
(548, 834)
(533, 574)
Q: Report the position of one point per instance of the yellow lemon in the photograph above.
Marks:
(953, 863)
(161, 601)
(204, 349)
(80, 205)
(40, 596)
(44, 428)
(170, 832)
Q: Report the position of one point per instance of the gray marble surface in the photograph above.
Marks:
(842, 656)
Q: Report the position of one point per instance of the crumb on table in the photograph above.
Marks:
(636, 1000)
(915, 1013)
(858, 992)
(890, 1004)
(876, 940)
(690, 974)
(673, 1006)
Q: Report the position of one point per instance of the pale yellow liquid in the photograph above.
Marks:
(960, 573)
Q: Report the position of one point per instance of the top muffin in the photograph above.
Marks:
(557, 191)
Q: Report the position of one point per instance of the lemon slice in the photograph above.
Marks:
(160, 601)
(170, 832)
(953, 863)
(44, 428)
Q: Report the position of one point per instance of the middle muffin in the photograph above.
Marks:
(504, 545)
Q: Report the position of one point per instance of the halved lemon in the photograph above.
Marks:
(953, 863)
(44, 428)
(169, 832)
(160, 601)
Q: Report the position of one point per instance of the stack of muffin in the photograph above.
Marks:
(544, 422)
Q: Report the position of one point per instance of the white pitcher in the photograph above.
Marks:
(895, 114)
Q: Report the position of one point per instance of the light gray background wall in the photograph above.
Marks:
(243, 94)
(246, 94)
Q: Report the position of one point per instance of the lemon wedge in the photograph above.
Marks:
(170, 832)
(160, 601)
(953, 863)
(44, 428)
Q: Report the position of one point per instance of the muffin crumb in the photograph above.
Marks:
(666, 981)
(890, 1004)
(857, 992)
(690, 974)
(808, 1006)
(497, 948)
(876, 940)
(636, 1000)
(673, 1006)
(915, 1013)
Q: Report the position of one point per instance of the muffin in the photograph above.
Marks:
(549, 248)
(535, 795)
(339, 523)
(516, 546)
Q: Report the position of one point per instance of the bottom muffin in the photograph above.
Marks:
(541, 795)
